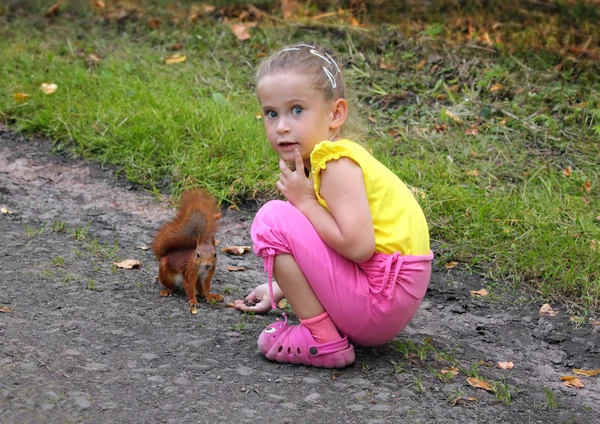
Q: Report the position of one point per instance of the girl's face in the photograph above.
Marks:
(295, 114)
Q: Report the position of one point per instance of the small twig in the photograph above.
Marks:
(44, 364)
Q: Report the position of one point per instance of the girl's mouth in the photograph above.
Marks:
(287, 145)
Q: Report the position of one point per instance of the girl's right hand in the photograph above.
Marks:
(259, 300)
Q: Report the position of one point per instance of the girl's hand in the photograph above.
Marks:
(294, 185)
(259, 301)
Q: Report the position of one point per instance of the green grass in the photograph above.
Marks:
(498, 201)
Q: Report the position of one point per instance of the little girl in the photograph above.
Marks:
(350, 248)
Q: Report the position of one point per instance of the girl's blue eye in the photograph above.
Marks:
(270, 114)
(297, 110)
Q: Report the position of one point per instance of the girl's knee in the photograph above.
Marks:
(273, 209)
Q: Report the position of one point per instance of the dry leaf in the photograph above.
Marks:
(177, 46)
(153, 23)
(53, 11)
(568, 170)
(479, 293)
(451, 265)
(20, 96)
(99, 4)
(240, 31)
(283, 303)
(440, 128)
(421, 64)
(453, 116)
(384, 65)
(93, 58)
(546, 309)
(128, 264)
(468, 399)
(236, 250)
(48, 87)
(480, 384)
(5, 309)
(587, 373)
(595, 245)
(6, 211)
(587, 186)
(572, 381)
(452, 370)
(507, 365)
(594, 323)
(142, 246)
(496, 87)
(235, 268)
(474, 130)
(175, 58)
(287, 6)
(418, 192)
(473, 172)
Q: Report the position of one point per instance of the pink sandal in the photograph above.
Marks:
(295, 345)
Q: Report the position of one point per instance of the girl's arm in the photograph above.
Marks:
(348, 226)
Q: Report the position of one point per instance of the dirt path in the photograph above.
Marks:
(86, 342)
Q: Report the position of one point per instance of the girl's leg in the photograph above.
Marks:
(296, 288)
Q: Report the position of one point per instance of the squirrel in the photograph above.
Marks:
(185, 248)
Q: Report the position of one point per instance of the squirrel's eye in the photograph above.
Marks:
(198, 255)
(215, 254)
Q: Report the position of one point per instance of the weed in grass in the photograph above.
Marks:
(80, 233)
(503, 390)
(455, 394)
(58, 225)
(397, 368)
(58, 261)
(551, 401)
(227, 290)
(91, 285)
(418, 382)
(240, 325)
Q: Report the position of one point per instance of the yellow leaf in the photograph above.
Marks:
(479, 293)
(240, 31)
(587, 373)
(452, 370)
(572, 381)
(5, 309)
(453, 116)
(48, 87)
(20, 96)
(451, 265)
(507, 365)
(546, 309)
(128, 264)
(496, 87)
(568, 171)
(421, 64)
(175, 58)
(480, 384)
(236, 250)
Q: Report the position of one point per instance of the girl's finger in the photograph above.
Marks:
(298, 160)
(283, 166)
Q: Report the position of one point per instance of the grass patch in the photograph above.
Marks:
(494, 114)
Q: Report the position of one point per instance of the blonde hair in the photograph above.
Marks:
(325, 73)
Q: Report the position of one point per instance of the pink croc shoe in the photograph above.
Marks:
(294, 344)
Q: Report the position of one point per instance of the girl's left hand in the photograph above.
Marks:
(294, 185)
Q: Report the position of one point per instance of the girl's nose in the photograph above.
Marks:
(282, 127)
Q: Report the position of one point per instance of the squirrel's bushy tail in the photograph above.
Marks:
(198, 216)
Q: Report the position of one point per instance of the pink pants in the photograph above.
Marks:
(370, 302)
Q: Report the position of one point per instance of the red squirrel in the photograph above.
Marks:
(185, 248)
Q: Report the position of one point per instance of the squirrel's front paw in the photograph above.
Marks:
(213, 297)
(165, 293)
(193, 307)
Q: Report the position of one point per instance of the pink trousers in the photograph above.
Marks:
(370, 302)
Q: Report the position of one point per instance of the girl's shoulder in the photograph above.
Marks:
(327, 151)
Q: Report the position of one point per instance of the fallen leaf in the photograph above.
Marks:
(451, 265)
(595, 245)
(53, 11)
(177, 46)
(372, 119)
(153, 23)
(568, 170)
(175, 58)
(5, 309)
(453, 116)
(572, 381)
(142, 246)
(496, 87)
(452, 370)
(587, 186)
(546, 309)
(235, 268)
(353, 22)
(20, 96)
(507, 365)
(48, 87)
(236, 250)
(99, 4)
(479, 293)
(93, 58)
(480, 384)
(6, 211)
(594, 323)
(240, 31)
(128, 264)
(421, 64)
(473, 172)
(287, 7)
(385, 65)
(587, 373)
(474, 130)
(468, 399)
(440, 128)
(283, 303)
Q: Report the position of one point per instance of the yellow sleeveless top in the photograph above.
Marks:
(398, 219)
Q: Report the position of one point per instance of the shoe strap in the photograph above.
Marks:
(326, 348)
